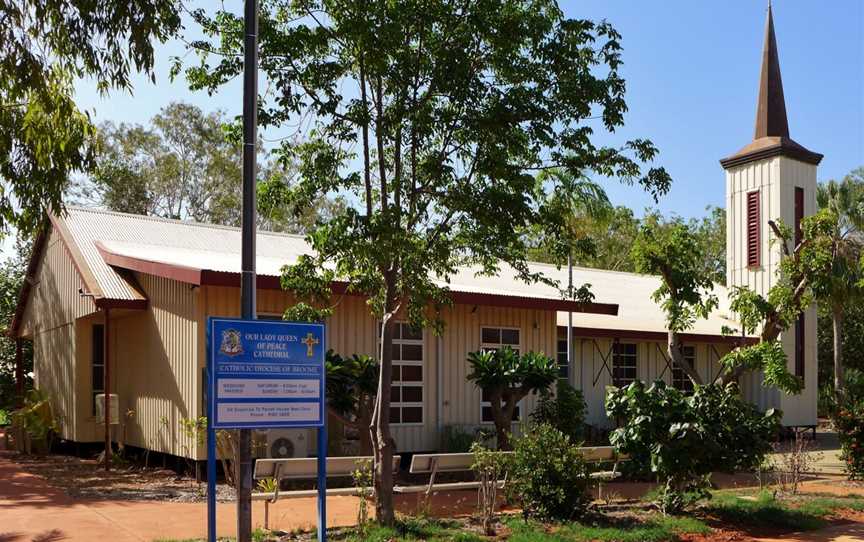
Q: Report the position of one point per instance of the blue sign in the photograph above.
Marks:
(266, 374)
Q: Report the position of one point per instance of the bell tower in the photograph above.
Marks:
(772, 177)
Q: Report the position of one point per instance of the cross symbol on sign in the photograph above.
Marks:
(310, 341)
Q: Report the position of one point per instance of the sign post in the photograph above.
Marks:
(264, 375)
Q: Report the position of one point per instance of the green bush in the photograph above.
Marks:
(683, 439)
(4, 418)
(849, 421)
(548, 476)
(565, 411)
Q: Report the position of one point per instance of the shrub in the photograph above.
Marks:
(548, 475)
(454, 439)
(849, 422)
(489, 467)
(34, 424)
(565, 411)
(683, 439)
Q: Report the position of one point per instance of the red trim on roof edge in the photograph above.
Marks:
(209, 277)
(189, 275)
(110, 303)
(658, 336)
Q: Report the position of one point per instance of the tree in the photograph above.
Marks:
(46, 43)
(11, 280)
(846, 201)
(432, 118)
(673, 252)
(506, 378)
(187, 165)
(182, 166)
(351, 386)
(805, 275)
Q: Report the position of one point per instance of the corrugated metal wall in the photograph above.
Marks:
(155, 367)
(460, 397)
(49, 319)
(776, 179)
(650, 363)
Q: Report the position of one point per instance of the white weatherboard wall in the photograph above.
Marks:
(776, 179)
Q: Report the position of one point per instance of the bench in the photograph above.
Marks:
(306, 469)
(603, 455)
(432, 464)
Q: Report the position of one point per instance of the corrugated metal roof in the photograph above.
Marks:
(637, 311)
(217, 248)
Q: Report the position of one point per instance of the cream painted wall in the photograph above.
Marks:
(776, 179)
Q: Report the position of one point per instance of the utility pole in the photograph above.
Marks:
(247, 281)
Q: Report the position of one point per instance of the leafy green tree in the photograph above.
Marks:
(182, 166)
(682, 439)
(351, 386)
(11, 280)
(432, 119)
(507, 378)
(846, 201)
(673, 252)
(46, 44)
(805, 275)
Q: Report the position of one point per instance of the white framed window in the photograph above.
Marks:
(496, 338)
(623, 364)
(407, 384)
(680, 380)
(561, 355)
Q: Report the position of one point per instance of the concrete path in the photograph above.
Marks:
(32, 510)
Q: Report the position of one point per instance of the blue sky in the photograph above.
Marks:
(692, 72)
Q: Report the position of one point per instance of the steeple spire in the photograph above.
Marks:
(771, 107)
(771, 137)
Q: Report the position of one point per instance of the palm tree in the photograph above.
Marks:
(846, 200)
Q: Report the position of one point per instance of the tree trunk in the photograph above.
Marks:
(503, 420)
(837, 321)
(673, 347)
(382, 441)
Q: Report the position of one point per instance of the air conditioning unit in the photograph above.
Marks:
(284, 443)
(115, 408)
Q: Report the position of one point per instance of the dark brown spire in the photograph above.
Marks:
(771, 107)
(772, 129)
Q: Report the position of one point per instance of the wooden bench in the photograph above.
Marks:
(432, 464)
(307, 469)
(603, 455)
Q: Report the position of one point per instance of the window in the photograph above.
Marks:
(623, 364)
(799, 213)
(97, 363)
(800, 323)
(495, 338)
(680, 380)
(563, 366)
(406, 391)
(753, 230)
(799, 347)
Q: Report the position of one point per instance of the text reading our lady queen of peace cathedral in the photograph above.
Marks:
(267, 374)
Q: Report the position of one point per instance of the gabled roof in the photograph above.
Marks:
(196, 253)
(108, 246)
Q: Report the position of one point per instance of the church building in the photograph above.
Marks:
(120, 302)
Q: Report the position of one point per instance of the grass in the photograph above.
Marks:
(734, 508)
(655, 529)
(762, 510)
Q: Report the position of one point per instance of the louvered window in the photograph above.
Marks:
(799, 213)
(753, 229)
(800, 324)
